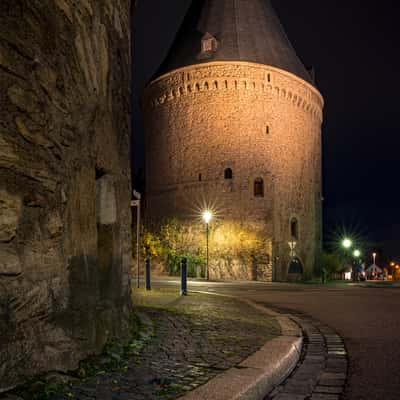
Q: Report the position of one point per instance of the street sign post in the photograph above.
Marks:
(136, 203)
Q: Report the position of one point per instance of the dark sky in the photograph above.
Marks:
(354, 48)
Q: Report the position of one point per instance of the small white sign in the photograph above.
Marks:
(292, 246)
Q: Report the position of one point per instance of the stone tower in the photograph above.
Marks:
(233, 118)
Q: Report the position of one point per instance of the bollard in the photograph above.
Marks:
(184, 277)
(148, 282)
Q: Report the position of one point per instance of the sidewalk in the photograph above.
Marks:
(184, 343)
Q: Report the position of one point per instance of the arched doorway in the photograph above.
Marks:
(295, 266)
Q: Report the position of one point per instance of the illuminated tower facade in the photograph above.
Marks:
(233, 118)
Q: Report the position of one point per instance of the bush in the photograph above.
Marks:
(331, 264)
(176, 239)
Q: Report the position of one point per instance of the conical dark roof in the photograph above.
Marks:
(244, 30)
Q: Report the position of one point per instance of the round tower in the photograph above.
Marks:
(233, 119)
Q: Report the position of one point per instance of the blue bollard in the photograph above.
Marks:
(148, 282)
(184, 277)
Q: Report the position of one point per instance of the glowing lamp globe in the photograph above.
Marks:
(207, 215)
(346, 243)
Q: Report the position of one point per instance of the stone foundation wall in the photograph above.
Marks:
(65, 246)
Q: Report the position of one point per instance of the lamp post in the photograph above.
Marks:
(357, 264)
(207, 216)
(374, 257)
(393, 270)
(346, 244)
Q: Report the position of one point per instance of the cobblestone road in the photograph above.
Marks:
(193, 339)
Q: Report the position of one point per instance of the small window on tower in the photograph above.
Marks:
(228, 174)
(200, 177)
(294, 228)
(258, 187)
(267, 130)
(208, 43)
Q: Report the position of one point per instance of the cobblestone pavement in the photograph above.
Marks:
(193, 339)
(322, 370)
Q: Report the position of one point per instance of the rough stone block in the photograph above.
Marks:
(10, 211)
(10, 264)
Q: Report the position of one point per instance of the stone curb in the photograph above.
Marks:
(260, 373)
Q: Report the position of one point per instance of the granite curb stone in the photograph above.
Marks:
(258, 374)
(261, 372)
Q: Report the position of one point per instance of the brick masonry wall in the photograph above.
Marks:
(260, 122)
(64, 182)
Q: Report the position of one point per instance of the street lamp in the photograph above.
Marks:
(357, 253)
(374, 257)
(393, 269)
(207, 216)
(346, 244)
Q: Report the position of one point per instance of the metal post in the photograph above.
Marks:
(138, 243)
(184, 277)
(207, 271)
(148, 281)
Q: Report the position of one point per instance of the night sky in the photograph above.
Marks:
(353, 46)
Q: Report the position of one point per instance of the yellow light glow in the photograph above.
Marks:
(207, 216)
(357, 253)
(392, 264)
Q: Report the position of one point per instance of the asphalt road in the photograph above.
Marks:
(367, 318)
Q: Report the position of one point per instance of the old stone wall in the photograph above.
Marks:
(64, 182)
(259, 121)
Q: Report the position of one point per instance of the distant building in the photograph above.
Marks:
(233, 118)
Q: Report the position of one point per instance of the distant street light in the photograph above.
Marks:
(374, 257)
(207, 216)
(347, 243)
(357, 253)
(393, 269)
